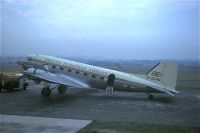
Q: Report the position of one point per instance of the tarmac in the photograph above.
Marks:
(28, 124)
(84, 106)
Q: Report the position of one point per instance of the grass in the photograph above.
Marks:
(132, 127)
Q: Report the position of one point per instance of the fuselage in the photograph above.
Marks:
(93, 76)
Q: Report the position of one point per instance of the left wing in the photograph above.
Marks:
(55, 78)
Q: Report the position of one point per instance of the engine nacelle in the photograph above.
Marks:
(46, 67)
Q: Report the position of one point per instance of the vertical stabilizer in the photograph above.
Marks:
(164, 73)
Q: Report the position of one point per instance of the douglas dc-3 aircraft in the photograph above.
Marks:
(66, 73)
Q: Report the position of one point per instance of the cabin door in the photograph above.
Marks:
(110, 83)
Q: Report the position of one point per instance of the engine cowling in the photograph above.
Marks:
(46, 67)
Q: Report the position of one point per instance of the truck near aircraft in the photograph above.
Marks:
(12, 80)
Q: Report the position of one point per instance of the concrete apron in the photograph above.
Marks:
(24, 124)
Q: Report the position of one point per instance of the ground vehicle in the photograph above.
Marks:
(11, 80)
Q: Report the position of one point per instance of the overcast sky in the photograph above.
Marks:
(110, 29)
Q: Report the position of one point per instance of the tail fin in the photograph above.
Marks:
(165, 74)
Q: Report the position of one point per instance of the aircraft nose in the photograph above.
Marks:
(30, 57)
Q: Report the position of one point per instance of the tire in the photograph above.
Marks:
(62, 90)
(46, 92)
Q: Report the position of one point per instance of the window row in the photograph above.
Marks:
(77, 72)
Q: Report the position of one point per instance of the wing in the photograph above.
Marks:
(55, 78)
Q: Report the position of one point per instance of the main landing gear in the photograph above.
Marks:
(46, 90)
(62, 90)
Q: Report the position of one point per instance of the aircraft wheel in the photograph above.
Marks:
(46, 92)
(151, 97)
(62, 90)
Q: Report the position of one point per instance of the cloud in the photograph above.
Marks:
(141, 23)
(75, 9)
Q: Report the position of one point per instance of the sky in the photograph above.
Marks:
(106, 29)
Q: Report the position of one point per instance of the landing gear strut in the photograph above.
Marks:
(25, 85)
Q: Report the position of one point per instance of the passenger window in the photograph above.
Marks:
(53, 67)
(61, 68)
(77, 72)
(93, 76)
(69, 70)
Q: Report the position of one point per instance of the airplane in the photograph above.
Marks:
(65, 73)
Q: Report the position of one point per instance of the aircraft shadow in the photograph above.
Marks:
(98, 95)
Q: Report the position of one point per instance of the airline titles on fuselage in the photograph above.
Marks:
(76, 67)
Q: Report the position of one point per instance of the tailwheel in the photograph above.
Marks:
(46, 92)
(151, 97)
(62, 90)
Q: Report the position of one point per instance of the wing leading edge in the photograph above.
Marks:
(55, 78)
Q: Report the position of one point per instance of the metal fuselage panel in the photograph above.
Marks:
(95, 80)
